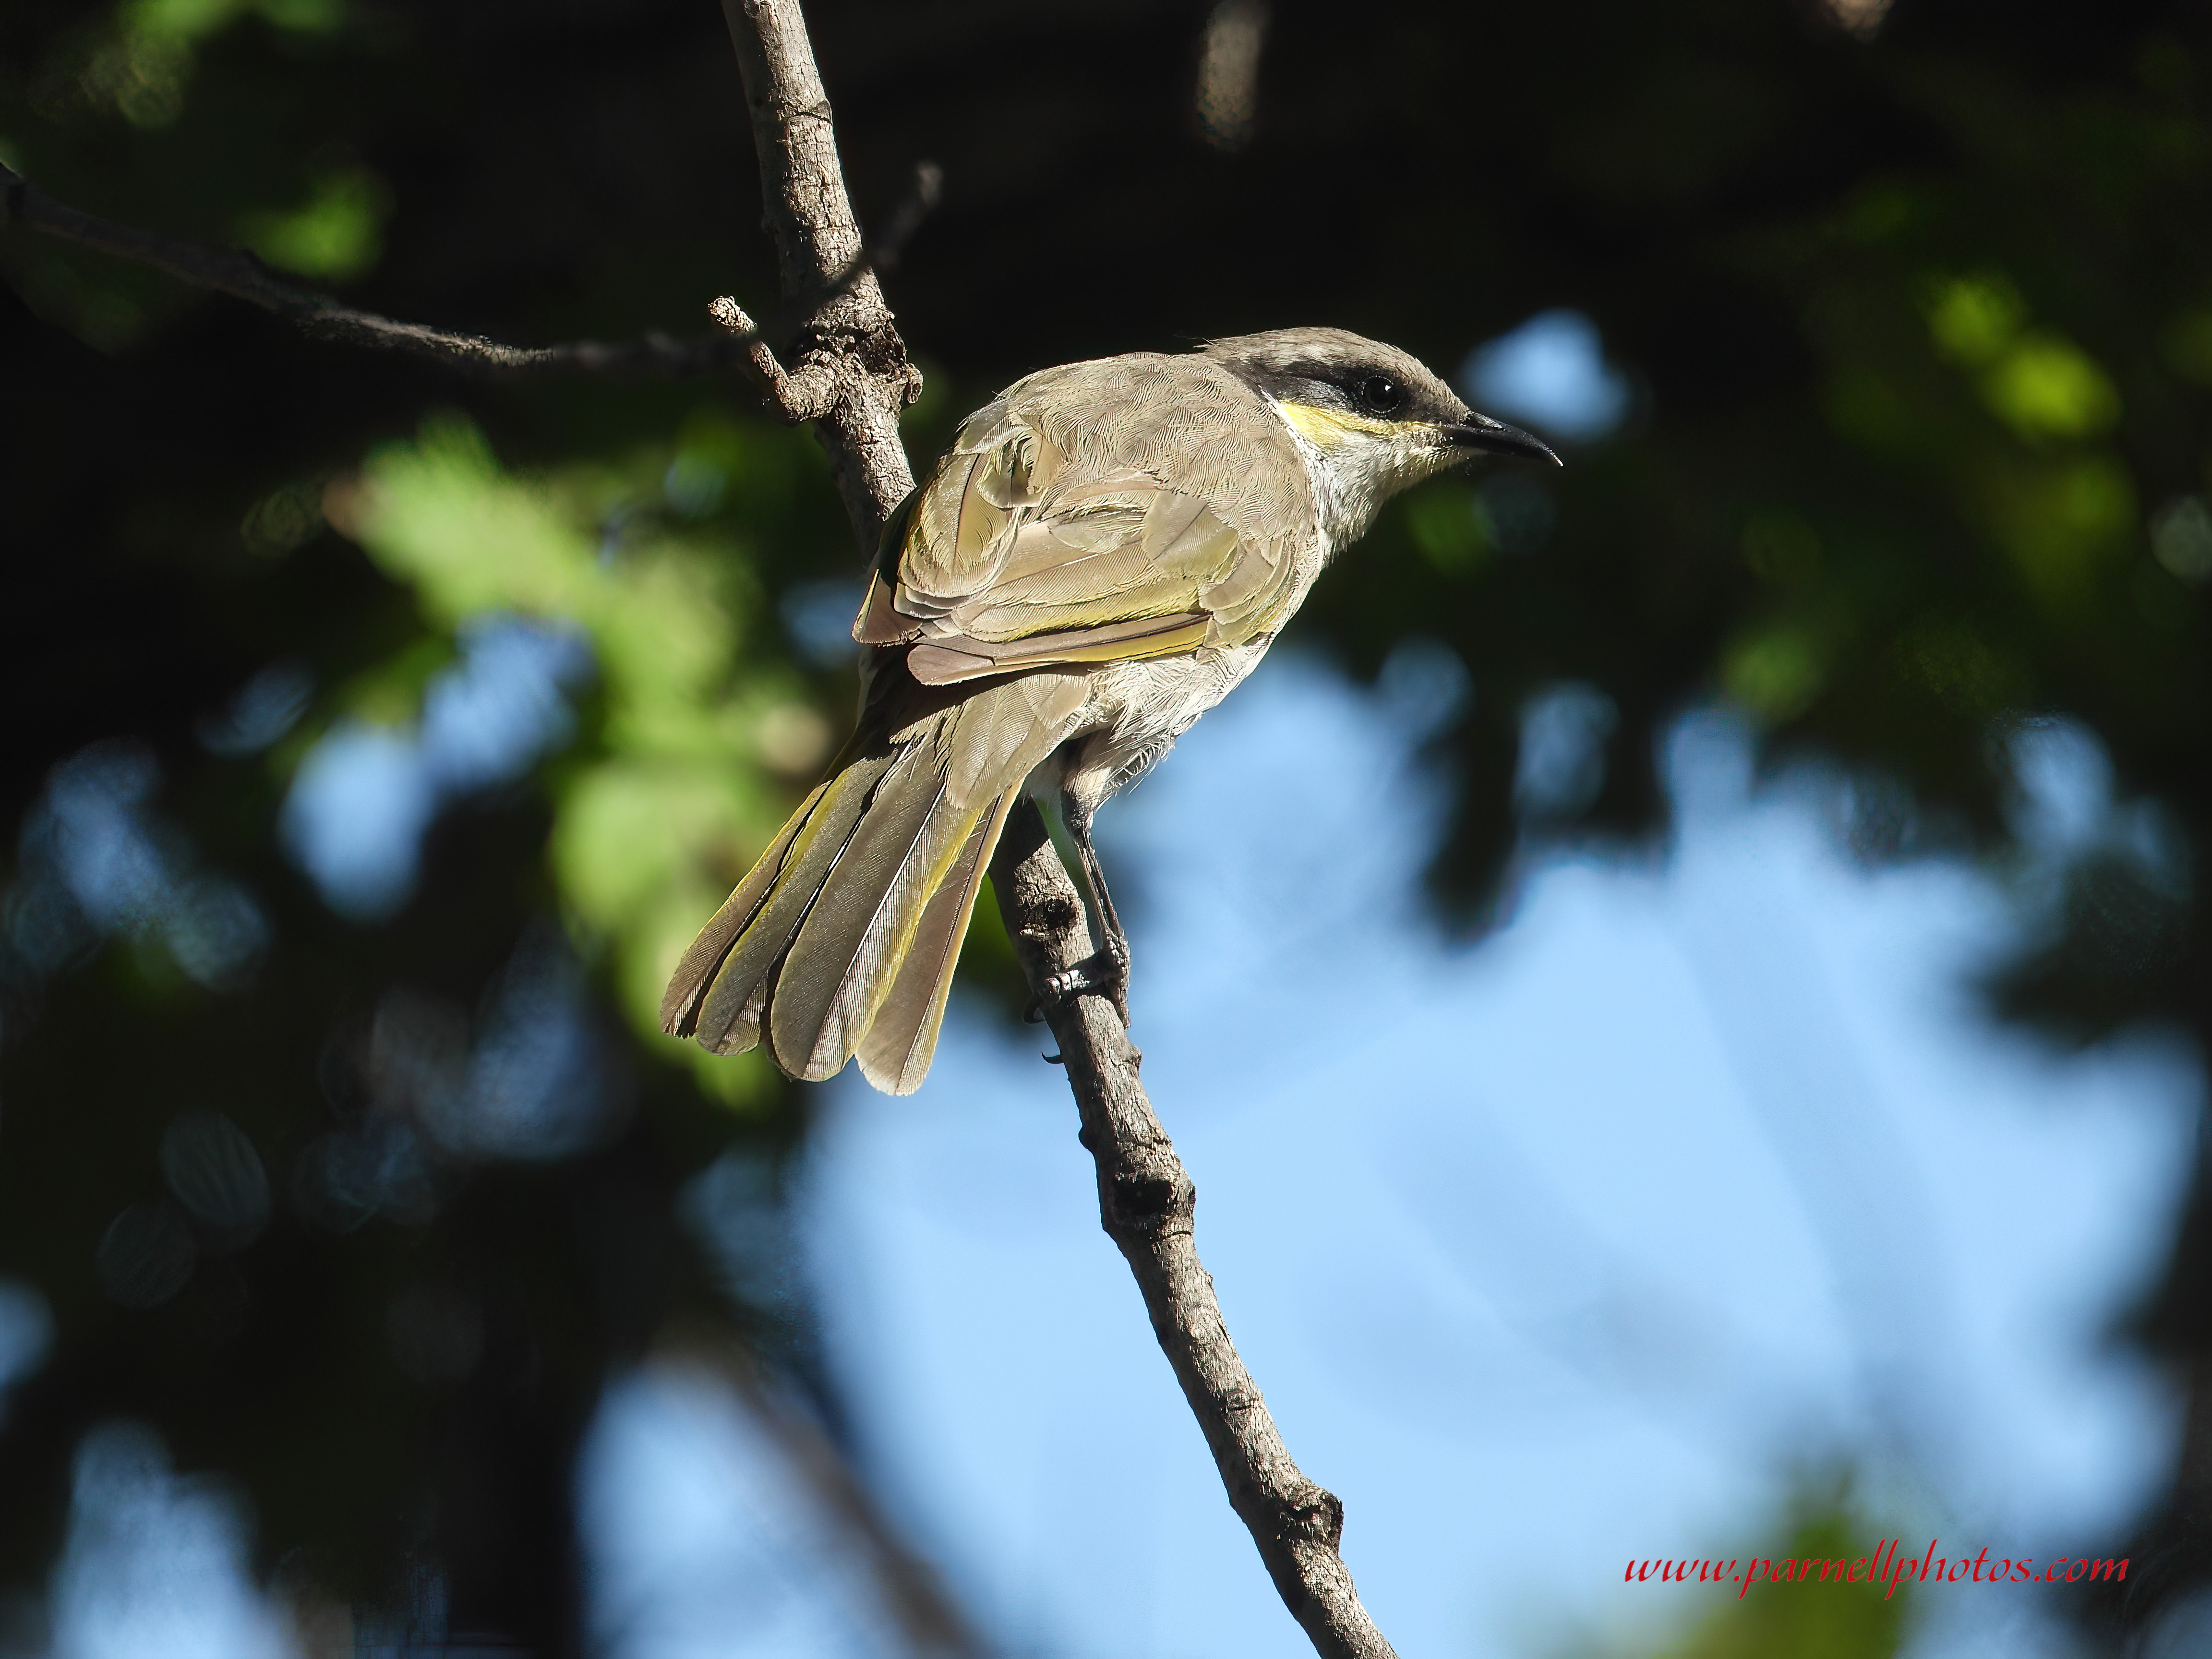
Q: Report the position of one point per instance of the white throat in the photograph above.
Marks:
(1354, 472)
(1344, 499)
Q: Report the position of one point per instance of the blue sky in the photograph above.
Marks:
(1548, 1252)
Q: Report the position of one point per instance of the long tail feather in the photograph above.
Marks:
(728, 1020)
(902, 1039)
(679, 1006)
(843, 938)
(847, 948)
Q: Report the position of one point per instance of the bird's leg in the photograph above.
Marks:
(1106, 971)
(1114, 943)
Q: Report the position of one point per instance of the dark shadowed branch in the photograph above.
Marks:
(851, 376)
(240, 275)
(228, 271)
(885, 251)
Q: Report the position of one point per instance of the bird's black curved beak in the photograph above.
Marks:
(1481, 433)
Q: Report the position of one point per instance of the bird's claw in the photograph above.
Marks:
(1105, 974)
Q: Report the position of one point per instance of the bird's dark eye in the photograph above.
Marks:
(1379, 394)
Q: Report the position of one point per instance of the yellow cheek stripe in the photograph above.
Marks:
(1326, 428)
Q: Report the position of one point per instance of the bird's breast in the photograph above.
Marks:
(1135, 712)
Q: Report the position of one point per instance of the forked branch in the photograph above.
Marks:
(853, 359)
(850, 363)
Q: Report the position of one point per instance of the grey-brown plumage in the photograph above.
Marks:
(1107, 548)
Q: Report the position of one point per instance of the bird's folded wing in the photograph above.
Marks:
(1015, 554)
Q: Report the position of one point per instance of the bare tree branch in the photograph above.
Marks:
(851, 378)
(1147, 1203)
(811, 398)
(808, 398)
(849, 362)
(243, 277)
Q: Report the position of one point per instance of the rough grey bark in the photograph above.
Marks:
(853, 379)
(1147, 1203)
(849, 373)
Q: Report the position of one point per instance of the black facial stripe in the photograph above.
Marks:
(1300, 383)
(1344, 385)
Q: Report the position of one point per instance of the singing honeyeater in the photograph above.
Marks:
(1107, 548)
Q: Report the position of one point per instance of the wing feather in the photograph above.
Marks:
(1041, 538)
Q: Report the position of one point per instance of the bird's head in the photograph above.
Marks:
(1370, 419)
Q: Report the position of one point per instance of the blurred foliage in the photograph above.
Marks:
(653, 827)
(1918, 326)
(336, 233)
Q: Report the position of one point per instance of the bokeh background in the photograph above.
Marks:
(1679, 981)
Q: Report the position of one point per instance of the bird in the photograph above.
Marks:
(1105, 551)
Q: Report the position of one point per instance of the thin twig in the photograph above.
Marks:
(795, 397)
(1146, 1198)
(240, 275)
(887, 250)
